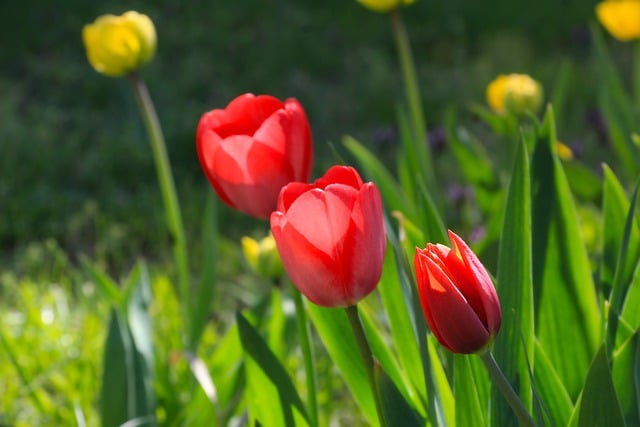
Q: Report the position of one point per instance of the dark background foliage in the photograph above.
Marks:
(75, 164)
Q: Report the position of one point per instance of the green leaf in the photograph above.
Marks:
(566, 307)
(227, 370)
(616, 107)
(472, 388)
(599, 405)
(438, 411)
(630, 317)
(394, 406)
(206, 286)
(139, 323)
(444, 398)
(615, 206)
(625, 361)
(127, 393)
(402, 330)
(625, 265)
(335, 331)
(556, 400)
(383, 354)
(514, 344)
(374, 169)
(271, 395)
(475, 165)
(105, 284)
(584, 182)
(416, 156)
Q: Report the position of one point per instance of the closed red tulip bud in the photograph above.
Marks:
(458, 299)
(252, 148)
(331, 237)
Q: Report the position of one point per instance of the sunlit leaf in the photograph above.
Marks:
(514, 344)
(271, 395)
(566, 307)
(599, 405)
(472, 388)
(335, 331)
(625, 361)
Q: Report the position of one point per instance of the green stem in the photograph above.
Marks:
(308, 357)
(636, 76)
(412, 90)
(507, 391)
(167, 187)
(367, 358)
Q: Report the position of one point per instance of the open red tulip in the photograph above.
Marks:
(331, 237)
(458, 299)
(252, 148)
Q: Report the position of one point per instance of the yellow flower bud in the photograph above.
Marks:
(621, 18)
(517, 93)
(564, 151)
(495, 93)
(262, 256)
(522, 94)
(383, 6)
(117, 45)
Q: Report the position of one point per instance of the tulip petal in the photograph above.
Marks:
(251, 173)
(298, 149)
(452, 319)
(207, 145)
(482, 283)
(310, 269)
(244, 115)
(342, 175)
(364, 247)
(323, 217)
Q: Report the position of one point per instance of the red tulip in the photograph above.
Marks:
(252, 148)
(459, 301)
(331, 237)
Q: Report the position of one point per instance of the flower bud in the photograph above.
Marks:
(117, 45)
(621, 18)
(516, 93)
(458, 299)
(262, 256)
(383, 6)
(522, 94)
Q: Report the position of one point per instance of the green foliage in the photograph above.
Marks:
(513, 348)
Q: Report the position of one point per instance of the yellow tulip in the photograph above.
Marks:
(117, 45)
(383, 6)
(621, 18)
(495, 93)
(517, 93)
(262, 256)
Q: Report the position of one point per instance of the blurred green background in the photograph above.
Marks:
(75, 164)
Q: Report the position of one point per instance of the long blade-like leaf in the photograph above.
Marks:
(335, 331)
(566, 308)
(599, 405)
(271, 395)
(514, 344)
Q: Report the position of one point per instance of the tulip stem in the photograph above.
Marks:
(507, 391)
(168, 190)
(636, 77)
(367, 358)
(412, 89)
(307, 355)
